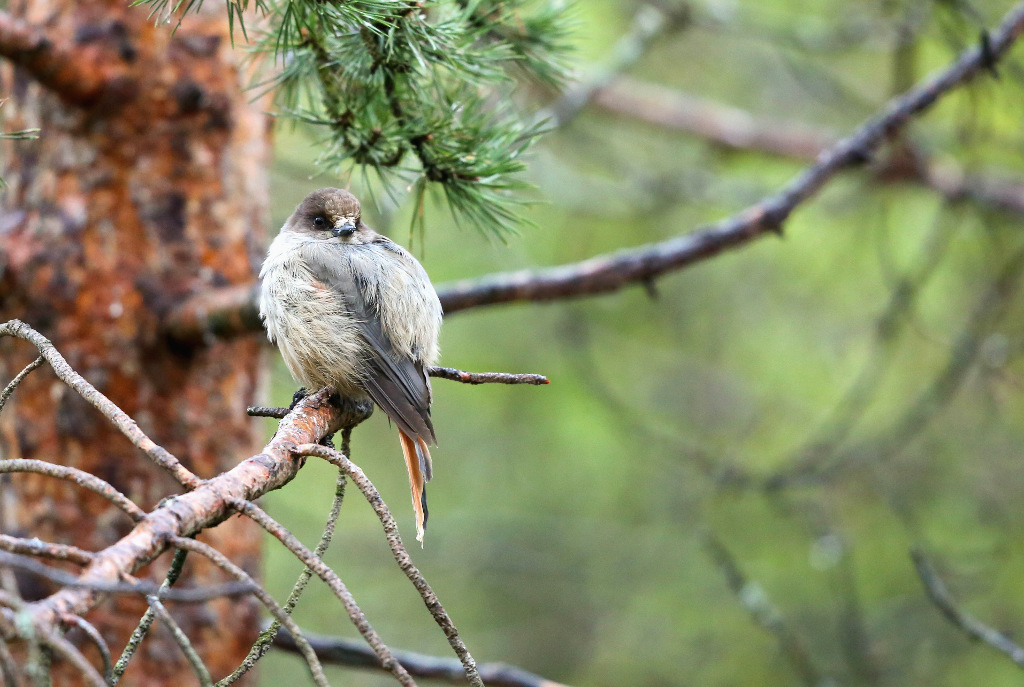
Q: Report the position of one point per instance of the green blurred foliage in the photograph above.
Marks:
(567, 521)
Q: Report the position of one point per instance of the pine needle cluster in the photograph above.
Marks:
(416, 92)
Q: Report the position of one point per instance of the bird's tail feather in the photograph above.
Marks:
(417, 460)
(423, 453)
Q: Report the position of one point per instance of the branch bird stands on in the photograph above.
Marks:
(205, 504)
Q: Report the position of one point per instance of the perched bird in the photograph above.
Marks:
(352, 310)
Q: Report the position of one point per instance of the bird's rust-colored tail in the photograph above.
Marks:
(417, 460)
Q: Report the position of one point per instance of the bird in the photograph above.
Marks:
(352, 310)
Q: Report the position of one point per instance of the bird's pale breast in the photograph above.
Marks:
(310, 325)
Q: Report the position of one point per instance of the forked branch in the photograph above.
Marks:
(174, 522)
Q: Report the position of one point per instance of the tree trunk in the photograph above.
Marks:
(151, 189)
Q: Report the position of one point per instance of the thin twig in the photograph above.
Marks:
(37, 658)
(81, 478)
(754, 600)
(486, 377)
(399, 552)
(97, 638)
(44, 549)
(974, 628)
(325, 573)
(70, 653)
(9, 389)
(266, 411)
(355, 654)
(449, 373)
(140, 631)
(225, 564)
(266, 638)
(118, 417)
(134, 586)
(182, 640)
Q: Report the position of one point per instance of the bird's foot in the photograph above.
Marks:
(353, 410)
(298, 396)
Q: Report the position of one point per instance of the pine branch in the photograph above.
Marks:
(237, 314)
(414, 91)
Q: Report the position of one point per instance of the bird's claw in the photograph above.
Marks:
(298, 396)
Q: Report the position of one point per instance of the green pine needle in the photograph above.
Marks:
(413, 91)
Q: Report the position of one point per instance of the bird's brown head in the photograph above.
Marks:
(330, 214)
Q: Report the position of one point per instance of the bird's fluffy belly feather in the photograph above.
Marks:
(317, 337)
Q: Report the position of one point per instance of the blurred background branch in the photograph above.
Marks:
(345, 652)
(976, 630)
(755, 602)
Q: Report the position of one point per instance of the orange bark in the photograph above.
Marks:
(150, 191)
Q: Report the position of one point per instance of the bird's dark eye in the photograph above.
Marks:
(319, 222)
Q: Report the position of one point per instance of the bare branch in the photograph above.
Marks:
(267, 411)
(974, 628)
(181, 639)
(399, 551)
(118, 417)
(722, 125)
(607, 273)
(352, 653)
(129, 586)
(486, 377)
(191, 512)
(74, 74)
(42, 549)
(94, 635)
(9, 389)
(225, 564)
(325, 573)
(142, 629)
(220, 313)
(82, 479)
(266, 638)
(439, 372)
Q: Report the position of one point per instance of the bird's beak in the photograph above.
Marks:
(346, 229)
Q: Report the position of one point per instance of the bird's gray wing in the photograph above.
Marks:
(396, 383)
